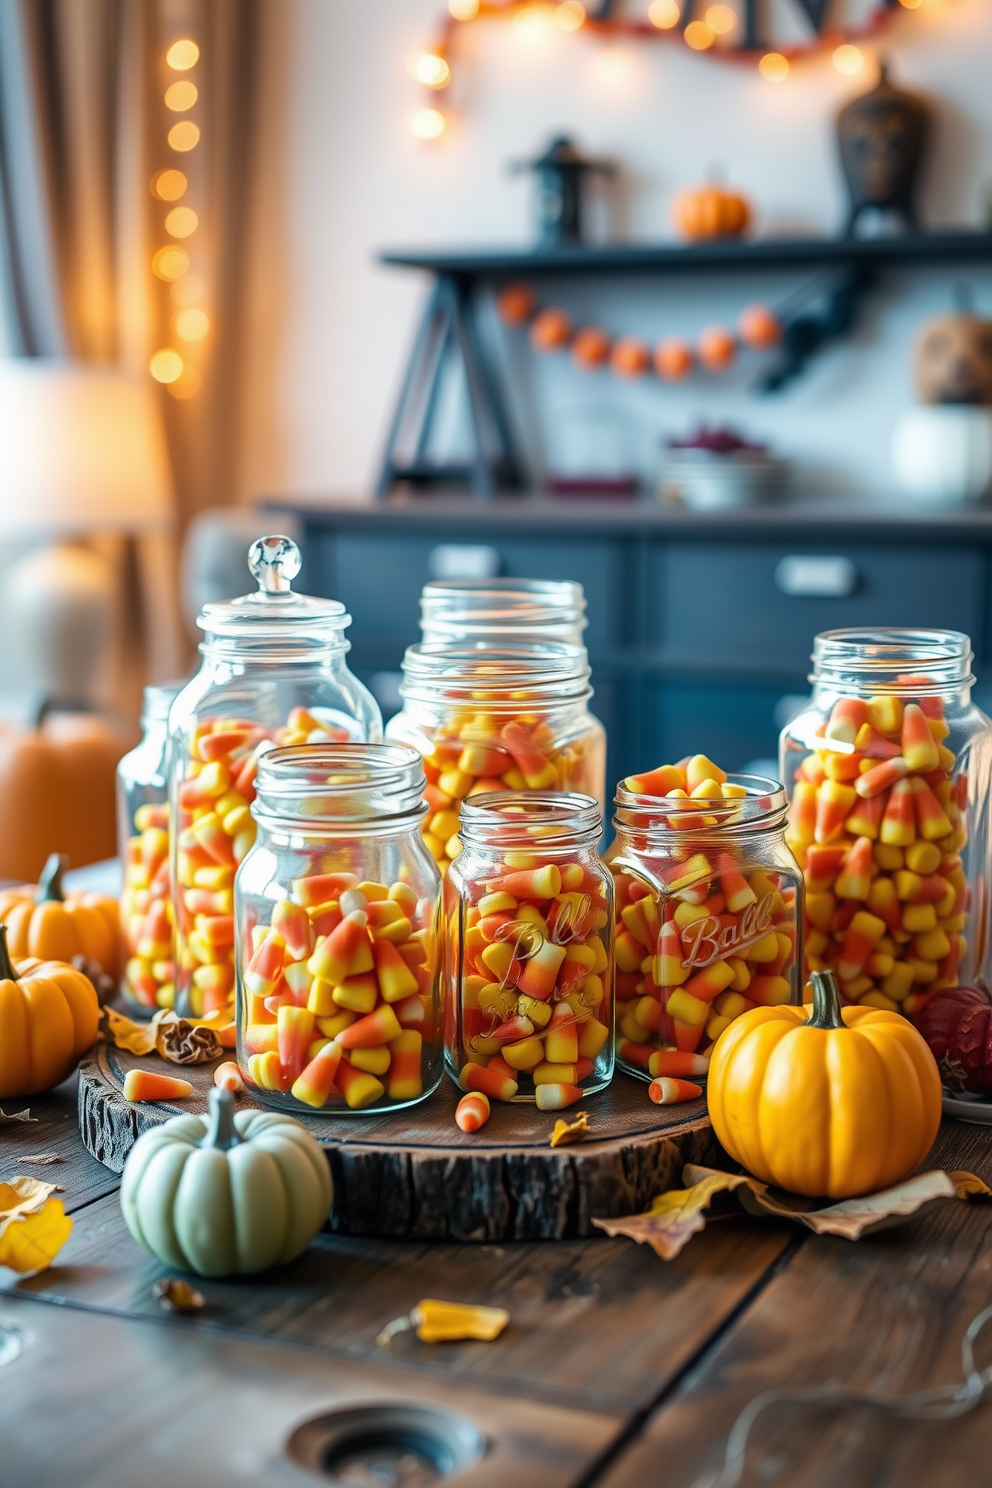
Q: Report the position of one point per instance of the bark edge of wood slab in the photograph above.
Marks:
(413, 1175)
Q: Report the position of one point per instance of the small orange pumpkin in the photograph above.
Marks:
(759, 327)
(673, 359)
(551, 331)
(590, 349)
(41, 921)
(716, 348)
(516, 304)
(49, 1017)
(711, 212)
(630, 357)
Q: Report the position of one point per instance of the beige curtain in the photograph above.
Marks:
(84, 129)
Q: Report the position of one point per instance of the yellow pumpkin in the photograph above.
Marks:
(49, 1017)
(824, 1102)
(42, 922)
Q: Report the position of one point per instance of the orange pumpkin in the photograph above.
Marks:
(673, 359)
(49, 1017)
(759, 327)
(515, 304)
(716, 348)
(551, 331)
(590, 349)
(630, 357)
(57, 792)
(42, 922)
(711, 212)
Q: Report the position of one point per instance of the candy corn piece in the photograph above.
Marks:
(931, 818)
(854, 879)
(880, 777)
(679, 1066)
(315, 1084)
(540, 971)
(333, 956)
(919, 748)
(899, 822)
(472, 1111)
(665, 1091)
(860, 938)
(358, 1088)
(227, 1076)
(834, 801)
(556, 1097)
(497, 1080)
(146, 1085)
(656, 782)
(292, 923)
(294, 1030)
(529, 883)
(406, 1081)
(538, 771)
(380, 1027)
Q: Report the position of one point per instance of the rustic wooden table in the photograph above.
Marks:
(617, 1369)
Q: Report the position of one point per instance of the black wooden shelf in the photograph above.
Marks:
(848, 270)
(733, 255)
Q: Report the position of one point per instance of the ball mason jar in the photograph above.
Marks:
(495, 719)
(459, 612)
(149, 976)
(273, 673)
(528, 916)
(888, 770)
(336, 919)
(708, 904)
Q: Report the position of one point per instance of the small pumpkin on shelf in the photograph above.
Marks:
(49, 1017)
(711, 211)
(829, 1101)
(43, 921)
(226, 1194)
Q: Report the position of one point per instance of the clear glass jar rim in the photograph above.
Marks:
(512, 602)
(508, 818)
(157, 699)
(263, 616)
(432, 669)
(380, 780)
(892, 659)
(671, 817)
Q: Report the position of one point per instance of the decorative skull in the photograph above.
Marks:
(954, 360)
(882, 135)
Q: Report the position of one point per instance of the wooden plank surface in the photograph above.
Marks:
(887, 1313)
(55, 1130)
(96, 1402)
(600, 1320)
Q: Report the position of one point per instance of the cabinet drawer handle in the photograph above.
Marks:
(810, 576)
(463, 561)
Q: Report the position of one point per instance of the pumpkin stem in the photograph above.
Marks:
(221, 1131)
(826, 1001)
(7, 972)
(50, 889)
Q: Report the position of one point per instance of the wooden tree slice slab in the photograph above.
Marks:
(413, 1174)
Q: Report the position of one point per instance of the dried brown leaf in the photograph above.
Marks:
(24, 1115)
(970, 1186)
(676, 1216)
(125, 1033)
(42, 1159)
(176, 1295)
(570, 1131)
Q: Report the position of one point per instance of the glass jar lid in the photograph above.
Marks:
(889, 659)
(500, 677)
(321, 786)
(157, 699)
(490, 608)
(542, 821)
(274, 614)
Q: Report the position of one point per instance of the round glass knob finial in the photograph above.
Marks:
(274, 561)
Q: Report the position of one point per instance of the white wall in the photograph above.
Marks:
(340, 177)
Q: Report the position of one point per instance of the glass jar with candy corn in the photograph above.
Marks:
(336, 917)
(889, 770)
(273, 674)
(460, 612)
(506, 718)
(143, 837)
(708, 900)
(528, 913)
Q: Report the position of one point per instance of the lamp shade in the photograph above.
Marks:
(82, 450)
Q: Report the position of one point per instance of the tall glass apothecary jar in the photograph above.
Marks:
(148, 983)
(709, 903)
(273, 673)
(889, 770)
(528, 915)
(494, 718)
(336, 918)
(460, 612)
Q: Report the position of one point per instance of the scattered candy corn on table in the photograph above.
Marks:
(414, 1172)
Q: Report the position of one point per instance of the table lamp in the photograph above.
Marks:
(82, 454)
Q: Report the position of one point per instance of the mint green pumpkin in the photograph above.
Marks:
(226, 1194)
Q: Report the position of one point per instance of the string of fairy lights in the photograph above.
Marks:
(716, 30)
(188, 322)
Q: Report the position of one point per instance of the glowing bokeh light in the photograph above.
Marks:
(182, 55)
(188, 385)
(170, 263)
(664, 14)
(720, 19)
(849, 59)
(168, 185)
(192, 324)
(911, 4)
(181, 96)
(428, 123)
(774, 68)
(698, 36)
(166, 365)
(464, 10)
(570, 15)
(532, 22)
(429, 68)
(184, 136)
(181, 221)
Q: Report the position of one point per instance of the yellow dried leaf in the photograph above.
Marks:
(674, 1217)
(570, 1131)
(23, 1196)
(447, 1322)
(30, 1242)
(136, 1038)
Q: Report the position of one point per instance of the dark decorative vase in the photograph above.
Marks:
(882, 136)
